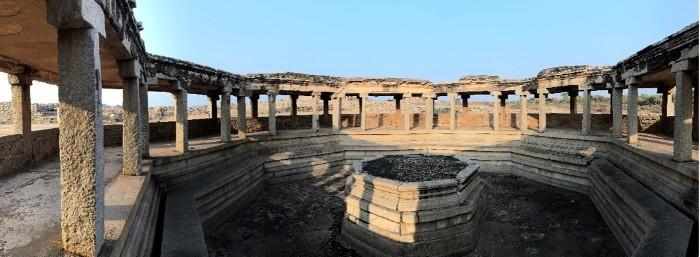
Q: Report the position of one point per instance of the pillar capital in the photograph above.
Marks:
(364, 95)
(129, 69)
(430, 95)
(338, 95)
(684, 65)
(633, 80)
(316, 93)
(213, 97)
(542, 91)
(19, 79)
(76, 14)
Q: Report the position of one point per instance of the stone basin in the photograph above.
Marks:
(388, 217)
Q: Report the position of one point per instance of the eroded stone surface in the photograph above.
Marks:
(414, 167)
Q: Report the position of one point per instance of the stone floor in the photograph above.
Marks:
(525, 218)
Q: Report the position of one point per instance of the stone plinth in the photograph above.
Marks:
(386, 217)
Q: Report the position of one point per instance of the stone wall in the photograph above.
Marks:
(45, 142)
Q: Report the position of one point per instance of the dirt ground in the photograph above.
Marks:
(525, 218)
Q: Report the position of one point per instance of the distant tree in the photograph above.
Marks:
(646, 99)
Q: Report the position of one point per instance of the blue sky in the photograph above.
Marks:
(433, 40)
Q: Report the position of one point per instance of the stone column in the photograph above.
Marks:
(496, 110)
(181, 127)
(683, 122)
(542, 100)
(407, 113)
(667, 105)
(632, 108)
(453, 110)
(22, 109)
(586, 120)
(465, 106)
(397, 102)
(293, 100)
(254, 102)
(617, 110)
(129, 71)
(503, 111)
(337, 107)
(272, 111)
(326, 103)
(314, 111)
(363, 111)
(242, 126)
(523, 111)
(81, 140)
(225, 120)
(212, 106)
(429, 112)
(573, 107)
(145, 121)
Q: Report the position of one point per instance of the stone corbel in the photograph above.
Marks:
(684, 65)
(76, 14)
(633, 80)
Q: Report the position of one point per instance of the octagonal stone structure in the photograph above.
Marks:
(386, 217)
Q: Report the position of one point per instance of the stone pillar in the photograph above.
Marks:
(397, 102)
(212, 106)
(181, 127)
(683, 122)
(22, 109)
(407, 113)
(503, 111)
(496, 110)
(337, 113)
(293, 112)
(254, 102)
(242, 126)
(363, 111)
(542, 100)
(272, 111)
(453, 110)
(573, 107)
(667, 106)
(145, 121)
(632, 108)
(225, 121)
(81, 140)
(326, 104)
(429, 112)
(129, 71)
(465, 106)
(617, 110)
(314, 111)
(523, 111)
(586, 120)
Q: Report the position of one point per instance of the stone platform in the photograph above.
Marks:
(387, 217)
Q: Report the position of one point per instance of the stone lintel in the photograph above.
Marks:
(76, 14)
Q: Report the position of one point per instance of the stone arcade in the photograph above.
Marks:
(165, 197)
